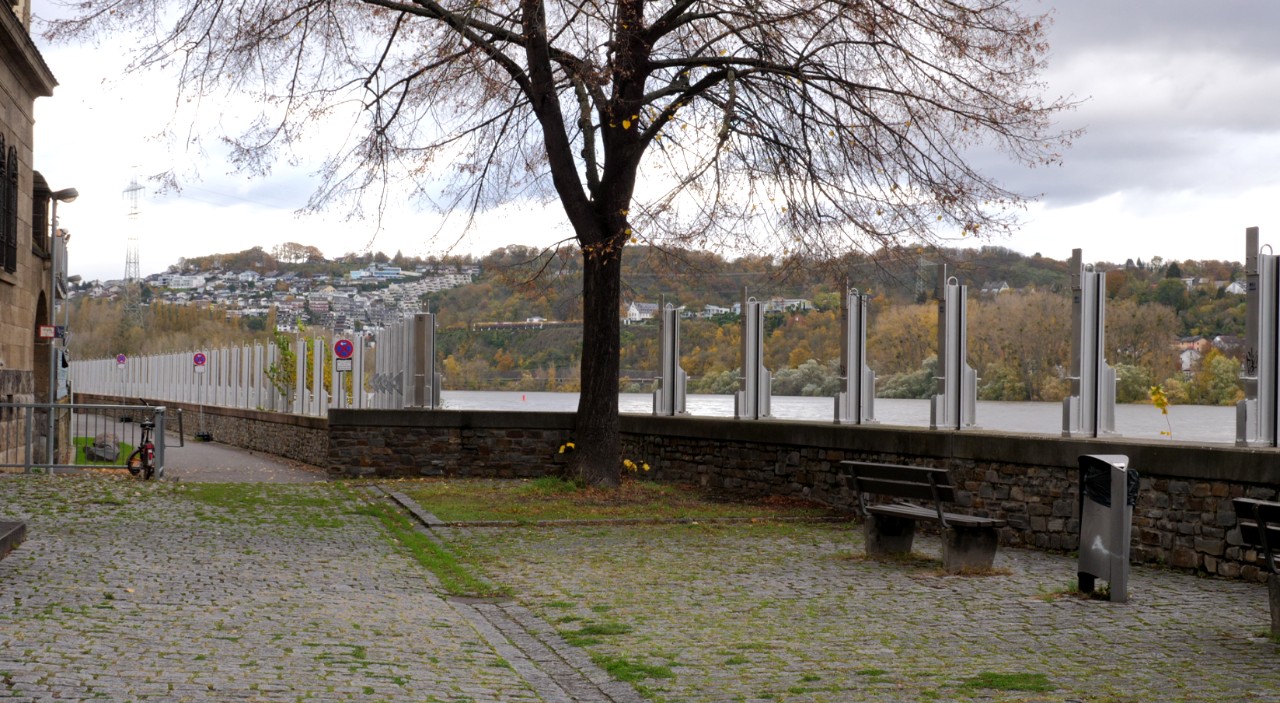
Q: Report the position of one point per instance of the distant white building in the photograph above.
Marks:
(378, 272)
(187, 282)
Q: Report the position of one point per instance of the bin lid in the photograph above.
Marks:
(1120, 461)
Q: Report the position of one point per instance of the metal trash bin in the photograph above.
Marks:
(1108, 493)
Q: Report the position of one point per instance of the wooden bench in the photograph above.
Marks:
(968, 542)
(1259, 523)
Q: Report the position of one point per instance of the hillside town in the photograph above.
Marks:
(366, 298)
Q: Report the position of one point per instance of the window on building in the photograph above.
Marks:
(8, 208)
(39, 214)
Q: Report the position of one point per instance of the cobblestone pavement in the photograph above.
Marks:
(132, 591)
(792, 613)
(126, 591)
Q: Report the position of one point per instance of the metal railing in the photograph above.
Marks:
(43, 438)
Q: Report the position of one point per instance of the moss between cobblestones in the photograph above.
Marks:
(456, 577)
(1038, 683)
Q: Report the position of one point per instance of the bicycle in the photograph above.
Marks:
(143, 459)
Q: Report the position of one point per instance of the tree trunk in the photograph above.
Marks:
(597, 458)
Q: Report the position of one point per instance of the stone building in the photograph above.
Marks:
(25, 242)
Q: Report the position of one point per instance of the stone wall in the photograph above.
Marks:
(1183, 518)
(447, 442)
(298, 437)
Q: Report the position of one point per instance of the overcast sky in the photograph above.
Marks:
(1181, 103)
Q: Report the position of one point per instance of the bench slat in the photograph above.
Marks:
(1259, 519)
(903, 489)
(916, 512)
(1249, 533)
(892, 472)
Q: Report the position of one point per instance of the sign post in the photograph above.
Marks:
(342, 365)
(198, 361)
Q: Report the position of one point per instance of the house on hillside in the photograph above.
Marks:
(1229, 344)
(1187, 361)
(995, 287)
(640, 311)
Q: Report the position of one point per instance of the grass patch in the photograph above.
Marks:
(590, 633)
(624, 669)
(871, 672)
(605, 628)
(913, 559)
(527, 501)
(973, 572)
(455, 577)
(82, 442)
(265, 503)
(1037, 683)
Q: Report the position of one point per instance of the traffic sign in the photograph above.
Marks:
(121, 358)
(47, 331)
(343, 348)
(199, 359)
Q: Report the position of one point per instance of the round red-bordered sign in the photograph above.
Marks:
(121, 358)
(343, 348)
(198, 359)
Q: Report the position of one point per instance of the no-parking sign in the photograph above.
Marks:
(198, 361)
(343, 349)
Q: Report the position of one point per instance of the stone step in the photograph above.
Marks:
(11, 535)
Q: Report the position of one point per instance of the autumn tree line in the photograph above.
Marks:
(1019, 340)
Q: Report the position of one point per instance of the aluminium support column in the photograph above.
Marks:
(855, 405)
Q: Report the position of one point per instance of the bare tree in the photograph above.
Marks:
(782, 126)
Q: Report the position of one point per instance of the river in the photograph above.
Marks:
(1191, 424)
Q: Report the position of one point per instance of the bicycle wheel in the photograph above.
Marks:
(134, 462)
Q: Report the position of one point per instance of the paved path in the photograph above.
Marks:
(132, 591)
(194, 460)
(213, 462)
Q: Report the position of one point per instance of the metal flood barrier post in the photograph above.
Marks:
(855, 405)
(752, 401)
(955, 405)
(1108, 493)
(1090, 410)
(425, 391)
(669, 396)
(405, 365)
(1257, 418)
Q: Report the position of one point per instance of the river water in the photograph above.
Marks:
(1189, 424)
